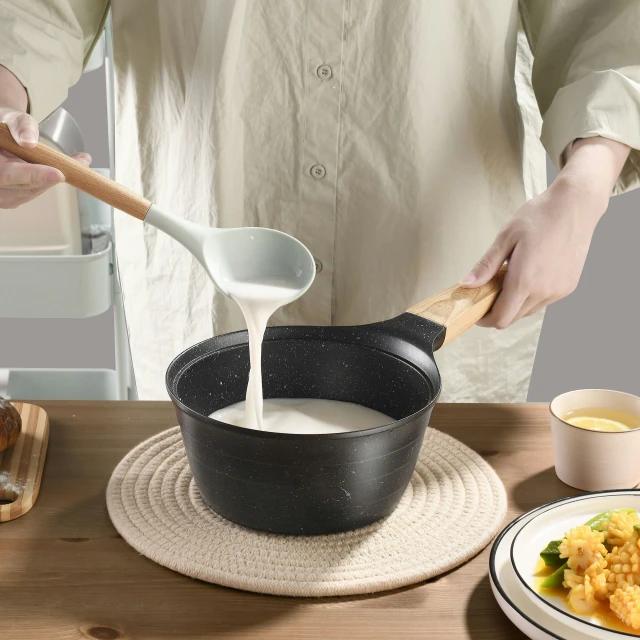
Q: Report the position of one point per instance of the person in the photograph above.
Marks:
(397, 140)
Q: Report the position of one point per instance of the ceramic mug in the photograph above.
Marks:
(595, 460)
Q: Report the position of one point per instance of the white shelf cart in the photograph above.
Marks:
(77, 286)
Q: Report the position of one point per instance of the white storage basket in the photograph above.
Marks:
(59, 286)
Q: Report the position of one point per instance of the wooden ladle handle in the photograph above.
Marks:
(459, 308)
(78, 175)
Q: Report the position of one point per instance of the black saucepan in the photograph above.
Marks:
(327, 483)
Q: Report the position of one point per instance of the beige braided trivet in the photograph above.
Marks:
(451, 510)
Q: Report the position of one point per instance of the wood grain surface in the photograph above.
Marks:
(65, 574)
(22, 464)
(459, 308)
(78, 175)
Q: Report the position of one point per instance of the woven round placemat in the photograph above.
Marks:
(452, 509)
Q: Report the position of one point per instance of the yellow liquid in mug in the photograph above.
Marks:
(600, 419)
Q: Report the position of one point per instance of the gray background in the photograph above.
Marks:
(588, 340)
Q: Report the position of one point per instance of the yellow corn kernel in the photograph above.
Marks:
(625, 603)
(620, 528)
(623, 569)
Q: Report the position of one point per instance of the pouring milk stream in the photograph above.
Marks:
(259, 300)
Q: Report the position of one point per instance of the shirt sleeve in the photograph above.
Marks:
(46, 43)
(586, 75)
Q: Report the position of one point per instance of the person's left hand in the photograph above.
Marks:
(547, 241)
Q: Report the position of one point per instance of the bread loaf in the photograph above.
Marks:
(10, 424)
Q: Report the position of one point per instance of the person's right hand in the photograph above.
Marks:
(19, 180)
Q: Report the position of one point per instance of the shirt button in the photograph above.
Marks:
(324, 72)
(318, 265)
(318, 172)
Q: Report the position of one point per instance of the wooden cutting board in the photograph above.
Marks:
(21, 465)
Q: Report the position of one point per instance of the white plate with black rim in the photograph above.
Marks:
(523, 612)
(551, 522)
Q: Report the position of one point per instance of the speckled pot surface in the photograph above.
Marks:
(309, 484)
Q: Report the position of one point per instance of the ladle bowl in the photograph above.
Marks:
(246, 254)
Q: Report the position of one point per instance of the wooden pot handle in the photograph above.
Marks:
(78, 175)
(458, 308)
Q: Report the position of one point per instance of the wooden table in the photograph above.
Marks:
(66, 574)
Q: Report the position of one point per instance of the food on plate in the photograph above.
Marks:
(621, 527)
(624, 565)
(597, 564)
(585, 573)
(10, 424)
(624, 603)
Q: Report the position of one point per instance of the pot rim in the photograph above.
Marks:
(254, 433)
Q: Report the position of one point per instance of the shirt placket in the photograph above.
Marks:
(317, 219)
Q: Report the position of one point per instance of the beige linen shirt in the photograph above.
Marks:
(394, 139)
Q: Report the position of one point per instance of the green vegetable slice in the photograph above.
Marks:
(600, 522)
(555, 579)
(551, 554)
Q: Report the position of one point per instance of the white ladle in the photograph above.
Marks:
(250, 254)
